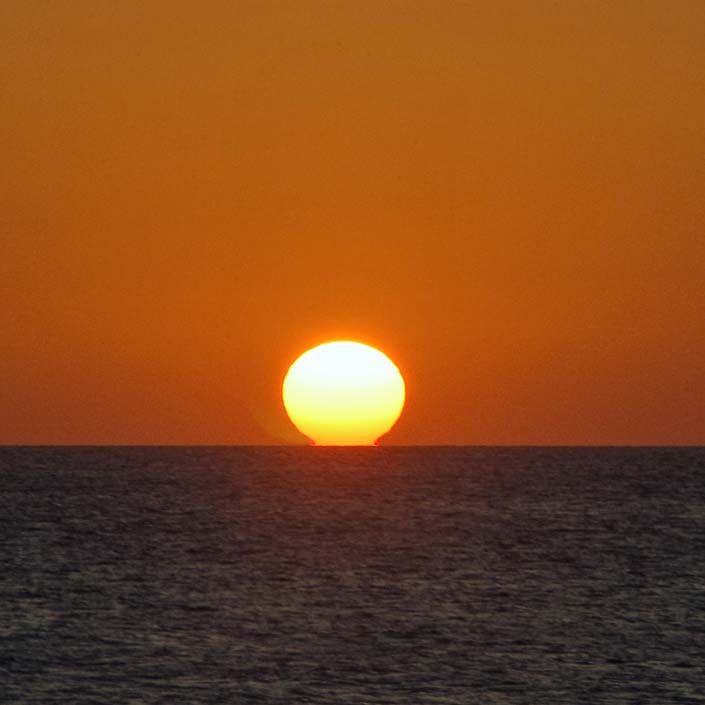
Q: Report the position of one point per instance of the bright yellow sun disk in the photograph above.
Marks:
(343, 393)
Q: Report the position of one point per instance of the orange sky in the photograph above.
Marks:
(506, 197)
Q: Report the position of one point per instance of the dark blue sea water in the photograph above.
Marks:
(369, 575)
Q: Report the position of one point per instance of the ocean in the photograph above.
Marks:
(134, 575)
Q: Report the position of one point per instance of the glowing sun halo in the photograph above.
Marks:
(343, 393)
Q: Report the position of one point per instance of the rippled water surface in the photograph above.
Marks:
(372, 575)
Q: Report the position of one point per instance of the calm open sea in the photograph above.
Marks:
(367, 575)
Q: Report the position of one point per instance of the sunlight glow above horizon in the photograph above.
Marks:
(343, 393)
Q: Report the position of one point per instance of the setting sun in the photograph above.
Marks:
(343, 393)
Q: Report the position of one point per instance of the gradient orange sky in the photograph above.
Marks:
(508, 198)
